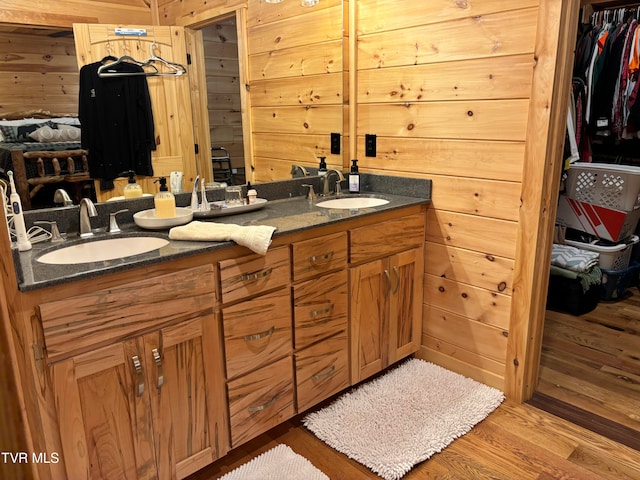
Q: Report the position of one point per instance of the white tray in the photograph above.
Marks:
(147, 219)
(220, 209)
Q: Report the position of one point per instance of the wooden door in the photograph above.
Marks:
(170, 95)
(369, 289)
(102, 402)
(405, 319)
(186, 383)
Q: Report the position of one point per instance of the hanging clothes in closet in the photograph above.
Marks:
(117, 121)
(605, 86)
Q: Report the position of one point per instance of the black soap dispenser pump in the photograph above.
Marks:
(322, 169)
(354, 178)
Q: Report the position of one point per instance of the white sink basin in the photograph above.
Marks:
(100, 250)
(352, 202)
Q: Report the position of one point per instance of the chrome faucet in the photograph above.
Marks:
(326, 190)
(297, 169)
(61, 196)
(87, 209)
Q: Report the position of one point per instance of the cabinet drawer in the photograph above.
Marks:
(387, 237)
(253, 274)
(322, 370)
(319, 255)
(76, 323)
(320, 308)
(257, 331)
(260, 400)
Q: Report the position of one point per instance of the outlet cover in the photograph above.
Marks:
(335, 143)
(369, 145)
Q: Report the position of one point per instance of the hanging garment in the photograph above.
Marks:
(117, 122)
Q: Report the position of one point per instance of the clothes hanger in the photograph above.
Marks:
(176, 68)
(106, 70)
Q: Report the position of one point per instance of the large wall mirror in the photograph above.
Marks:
(271, 92)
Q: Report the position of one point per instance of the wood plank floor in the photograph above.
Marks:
(590, 377)
(516, 442)
(592, 363)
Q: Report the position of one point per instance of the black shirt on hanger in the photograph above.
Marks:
(117, 121)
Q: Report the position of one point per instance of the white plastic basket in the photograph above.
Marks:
(614, 257)
(611, 186)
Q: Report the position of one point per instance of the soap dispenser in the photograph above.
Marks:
(322, 169)
(132, 189)
(164, 201)
(354, 178)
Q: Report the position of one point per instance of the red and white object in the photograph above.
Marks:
(604, 184)
(606, 223)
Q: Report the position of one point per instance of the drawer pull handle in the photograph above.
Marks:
(158, 359)
(388, 278)
(139, 376)
(397, 275)
(320, 259)
(322, 376)
(256, 275)
(258, 336)
(319, 313)
(259, 408)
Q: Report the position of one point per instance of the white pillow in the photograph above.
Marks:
(31, 121)
(64, 133)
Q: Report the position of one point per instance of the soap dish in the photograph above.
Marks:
(147, 219)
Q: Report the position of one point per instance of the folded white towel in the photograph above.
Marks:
(255, 237)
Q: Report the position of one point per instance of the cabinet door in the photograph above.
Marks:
(186, 387)
(405, 305)
(102, 403)
(369, 286)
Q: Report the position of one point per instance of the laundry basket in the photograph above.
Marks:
(612, 257)
(608, 185)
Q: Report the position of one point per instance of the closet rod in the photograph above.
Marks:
(611, 5)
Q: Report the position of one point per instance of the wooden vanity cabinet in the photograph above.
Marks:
(320, 318)
(385, 293)
(140, 405)
(258, 342)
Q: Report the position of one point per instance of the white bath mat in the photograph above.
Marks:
(279, 463)
(403, 417)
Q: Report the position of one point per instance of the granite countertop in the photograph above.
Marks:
(289, 214)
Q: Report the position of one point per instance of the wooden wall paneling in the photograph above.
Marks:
(499, 34)
(67, 12)
(196, 13)
(223, 87)
(380, 15)
(473, 120)
(475, 303)
(485, 340)
(482, 197)
(199, 101)
(486, 78)
(38, 72)
(471, 267)
(296, 83)
(486, 235)
(557, 28)
(459, 158)
(296, 61)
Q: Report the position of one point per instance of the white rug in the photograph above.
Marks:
(279, 463)
(403, 417)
